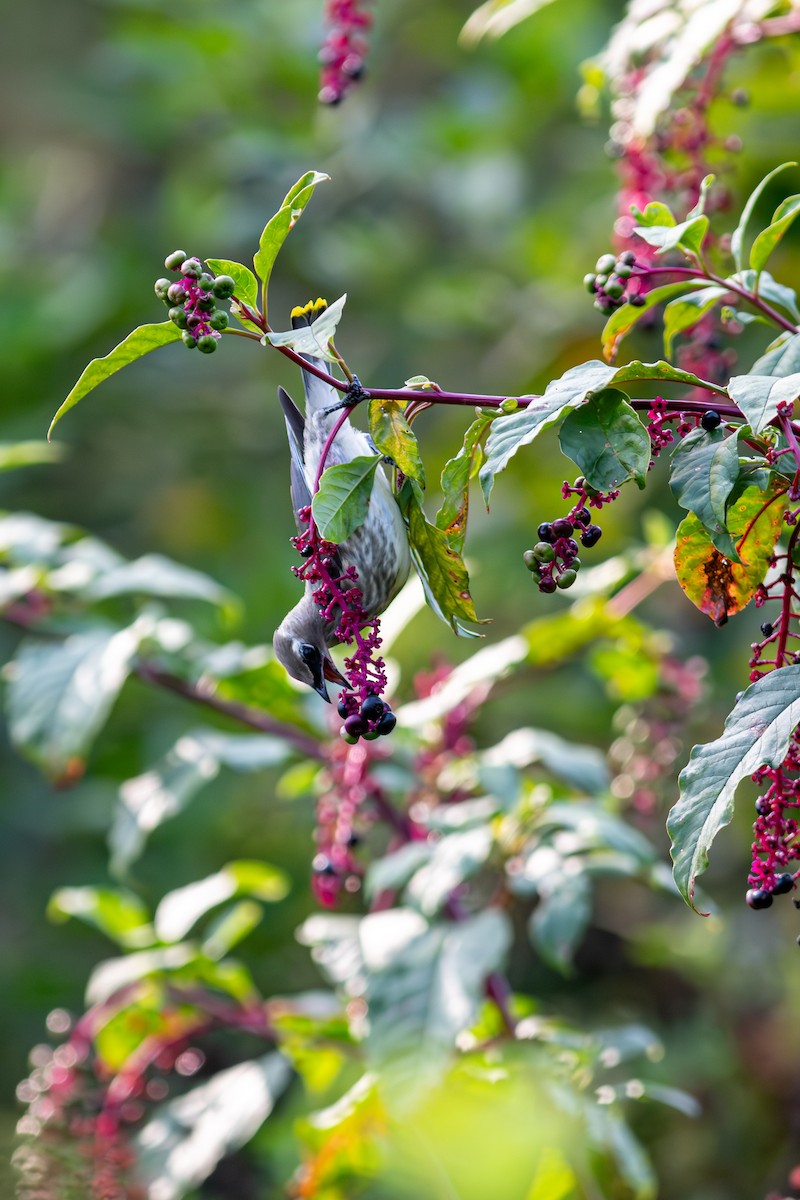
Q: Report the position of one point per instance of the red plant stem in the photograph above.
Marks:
(751, 297)
(343, 416)
(786, 601)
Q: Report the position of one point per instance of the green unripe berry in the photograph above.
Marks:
(189, 340)
(178, 317)
(530, 560)
(601, 280)
(606, 263)
(350, 738)
(544, 552)
(371, 735)
(207, 343)
(223, 287)
(566, 579)
(615, 288)
(176, 293)
(205, 304)
(623, 270)
(589, 282)
(161, 288)
(576, 564)
(205, 282)
(192, 268)
(174, 261)
(219, 320)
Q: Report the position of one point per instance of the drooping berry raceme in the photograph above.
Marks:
(192, 301)
(610, 282)
(554, 561)
(344, 49)
(776, 832)
(336, 594)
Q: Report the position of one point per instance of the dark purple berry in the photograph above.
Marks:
(322, 865)
(571, 548)
(758, 898)
(386, 723)
(783, 884)
(174, 261)
(637, 301)
(710, 420)
(354, 725)
(562, 528)
(207, 343)
(547, 585)
(762, 806)
(193, 320)
(767, 629)
(342, 709)
(629, 258)
(582, 516)
(353, 841)
(373, 708)
(591, 535)
(545, 532)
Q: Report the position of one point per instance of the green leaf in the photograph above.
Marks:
(340, 505)
(718, 587)
(242, 276)
(685, 311)
(393, 871)
(246, 289)
(768, 239)
(607, 441)
(28, 454)
(278, 227)
(455, 859)
(757, 733)
(510, 433)
(493, 18)
(154, 575)
(395, 438)
(181, 909)
(148, 800)
(654, 214)
(182, 1141)
(119, 915)
(622, 321)
(456, 477)
(439, 565)
(314, 339)
(231, 927)
(758, 396)
(704, 471)
(688, 236)
(138, 343)
(769, 289)
(561, 917)
(60, 695)
(737, 239)
(781, 358)
(583, 767)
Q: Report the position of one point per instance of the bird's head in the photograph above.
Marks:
(300, 646)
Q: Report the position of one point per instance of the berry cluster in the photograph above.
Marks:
(192, 301)
(344, 49)
(609, 283)
(339, 600)
(775, 840)
(342, 816)
(554, 561)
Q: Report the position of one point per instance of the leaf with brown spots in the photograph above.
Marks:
(718, 587)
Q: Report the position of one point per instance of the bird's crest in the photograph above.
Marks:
(306, 314)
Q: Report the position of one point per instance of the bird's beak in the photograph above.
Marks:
(333, 674)
(322, 690)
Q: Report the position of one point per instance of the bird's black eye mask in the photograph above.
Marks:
(313, 660)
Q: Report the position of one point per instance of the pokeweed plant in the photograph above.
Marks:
(443, 843)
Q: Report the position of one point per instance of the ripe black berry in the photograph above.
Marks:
(591, 535)
(582, 516)
(547, 585)
(758, 898)
(322, 865)
(545, 532)
(571, 548)
(637, 301)
(562, 528)
(629, 258)
(767, 628)
(710, 420)
(342, 709)
(762, 806)
(373, 708)
(354, 725)
(386, 723)
(783, 884)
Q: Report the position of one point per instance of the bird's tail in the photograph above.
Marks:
(319, 395)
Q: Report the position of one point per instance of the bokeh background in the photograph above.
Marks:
(467, 199)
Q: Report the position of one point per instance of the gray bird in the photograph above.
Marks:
(378, 549)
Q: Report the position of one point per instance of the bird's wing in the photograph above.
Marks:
(295, 429)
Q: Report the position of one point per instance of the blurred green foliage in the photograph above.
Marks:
(467, 200)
